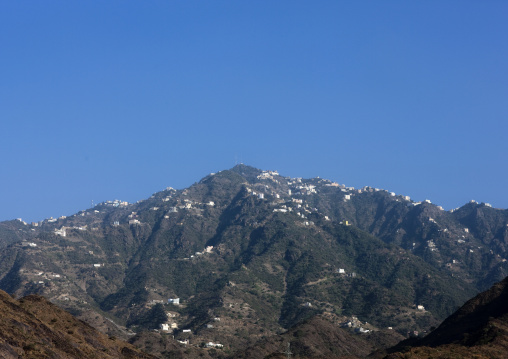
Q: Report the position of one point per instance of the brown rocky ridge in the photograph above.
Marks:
(35, 328)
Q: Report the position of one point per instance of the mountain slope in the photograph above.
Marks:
(474, 322)
(261, 253)
(479, 328)
(318, 337)
(35, 328)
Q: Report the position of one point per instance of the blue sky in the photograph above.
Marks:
(119, 99)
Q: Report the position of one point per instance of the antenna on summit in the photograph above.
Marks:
(92, 204)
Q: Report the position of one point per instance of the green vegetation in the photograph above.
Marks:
(151, 319)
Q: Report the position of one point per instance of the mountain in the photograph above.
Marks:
(479, 328)
(319, 337)
(34, 328)
(247, 254)
(13, 231)
(469, 242)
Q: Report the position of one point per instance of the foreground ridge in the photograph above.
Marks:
(34, 328)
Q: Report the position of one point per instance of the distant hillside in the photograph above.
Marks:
(467, 325)
(319, 337)
(248, 254)
(13, 231)
(34, 328)
(479, 328)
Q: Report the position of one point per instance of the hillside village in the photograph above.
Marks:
(84, 260)
(285, 195)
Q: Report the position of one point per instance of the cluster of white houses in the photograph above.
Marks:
(116, 203)
(356, 324)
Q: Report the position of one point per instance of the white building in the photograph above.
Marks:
(175, 301)
(61, 232)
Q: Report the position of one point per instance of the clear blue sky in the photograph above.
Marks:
(119, 99)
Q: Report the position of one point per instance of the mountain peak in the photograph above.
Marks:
(246, 171)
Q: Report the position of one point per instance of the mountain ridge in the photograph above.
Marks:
(263, 252)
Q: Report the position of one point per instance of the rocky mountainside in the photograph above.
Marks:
(34, 328)
(479, 328)
(245, 254)
(467, 325)
(320, 337)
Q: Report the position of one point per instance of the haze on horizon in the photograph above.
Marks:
(121, 99)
